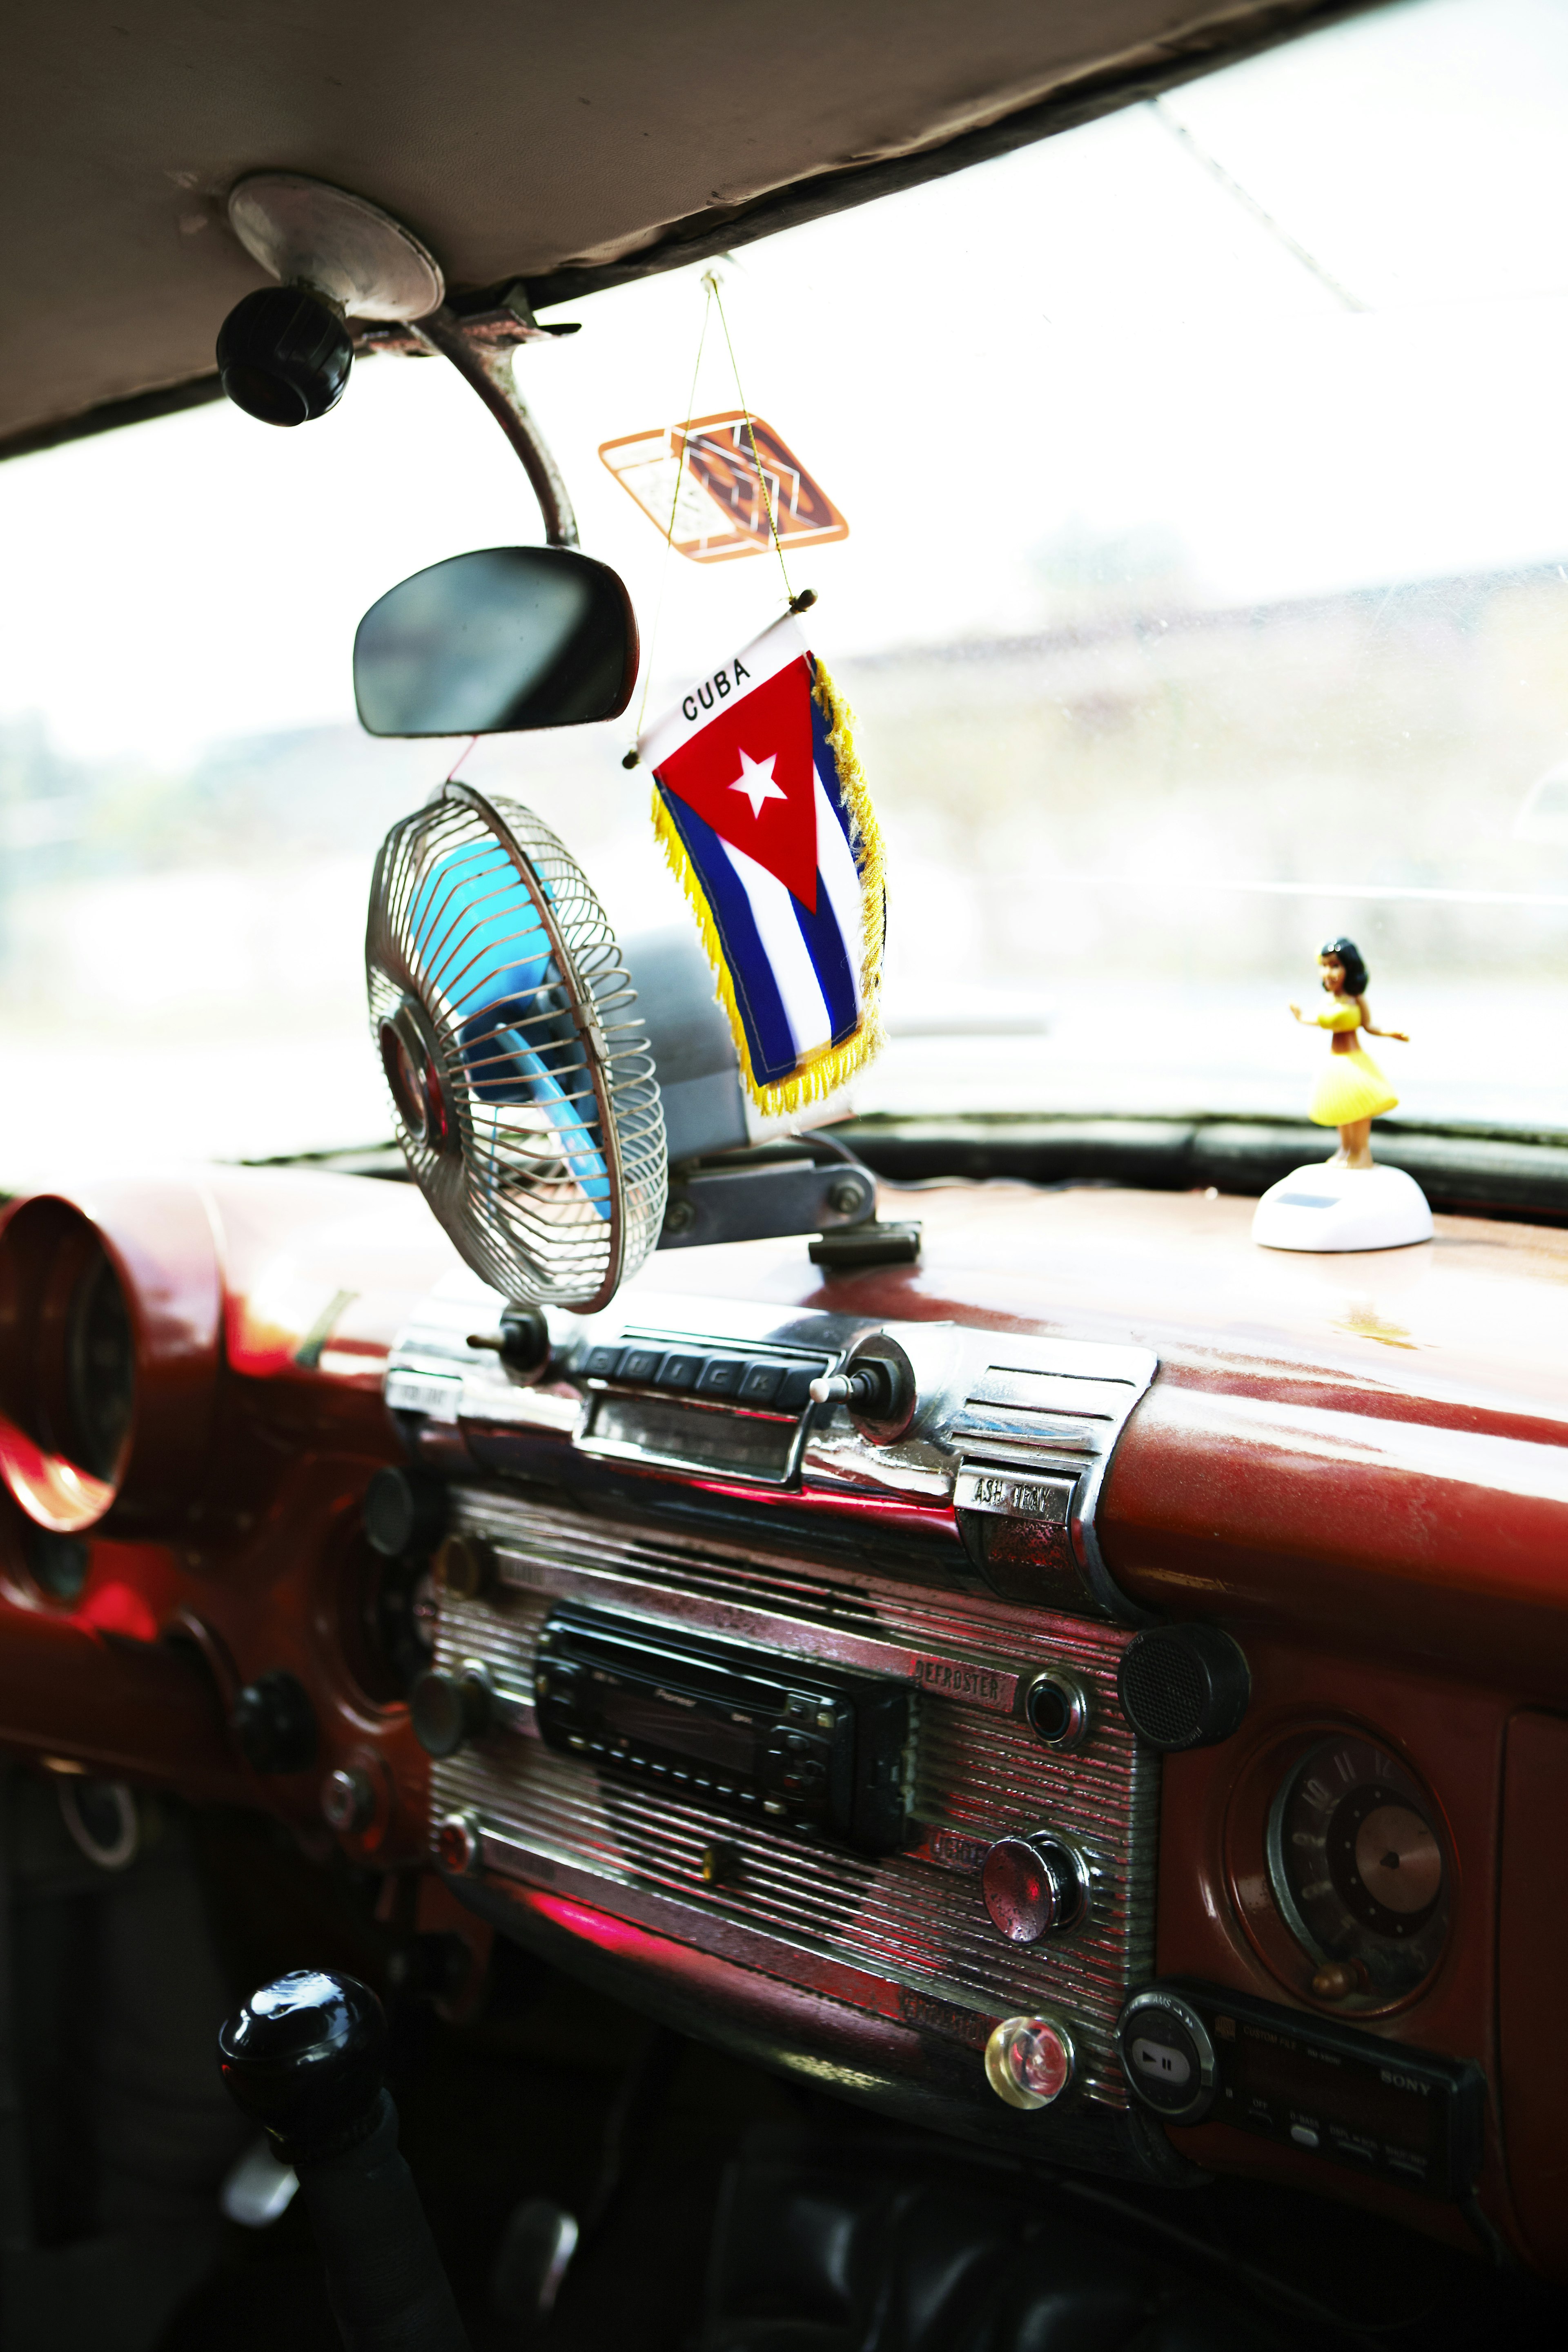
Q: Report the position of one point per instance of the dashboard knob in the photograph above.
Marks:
(465, 1566)
(523, 1342)
(877, 1386)
(459, 1845)
(448, 1709)
(1056, 1709)
(348, 1798)
(303, 2056)
(404, 1513)
(870, 1386)
(1030, 2061)
(274, 1724)
(1033, 1886)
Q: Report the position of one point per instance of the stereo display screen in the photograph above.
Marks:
(675, 1722)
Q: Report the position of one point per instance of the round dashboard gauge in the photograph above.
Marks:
(99, 1368)
(1358, 1868)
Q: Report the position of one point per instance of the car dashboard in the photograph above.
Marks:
(1130, 1733)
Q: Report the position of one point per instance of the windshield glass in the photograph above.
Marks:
(1205, 597)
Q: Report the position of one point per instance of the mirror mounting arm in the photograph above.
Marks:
(488, 370)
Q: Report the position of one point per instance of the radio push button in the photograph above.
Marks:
(1033, 1886)
(795, 1388)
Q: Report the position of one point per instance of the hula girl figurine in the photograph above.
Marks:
(1348, 1203)
(1353, 1090)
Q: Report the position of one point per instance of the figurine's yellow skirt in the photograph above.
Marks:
(1352, 1087)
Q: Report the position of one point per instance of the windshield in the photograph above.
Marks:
(1205, 597)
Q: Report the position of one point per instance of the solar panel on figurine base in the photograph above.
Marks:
(1328, 1208)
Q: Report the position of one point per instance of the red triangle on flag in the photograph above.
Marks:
(748, 774)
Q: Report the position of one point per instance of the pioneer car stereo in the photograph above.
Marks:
(779, 1739)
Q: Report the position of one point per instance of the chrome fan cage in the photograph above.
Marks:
(520, 1074)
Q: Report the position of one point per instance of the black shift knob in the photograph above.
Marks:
(304, 2056)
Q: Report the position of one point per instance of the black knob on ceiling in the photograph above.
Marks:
(304, 2056)
(274, 1724)
(1184, 1687)
(404, 1513)
(284, 356)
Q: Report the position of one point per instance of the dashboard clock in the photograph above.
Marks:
(1358, 1869)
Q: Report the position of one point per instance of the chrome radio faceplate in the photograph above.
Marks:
(671, 1472)
(1009, 1440)
(905, 1935)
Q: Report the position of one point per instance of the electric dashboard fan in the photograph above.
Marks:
(520, 1073)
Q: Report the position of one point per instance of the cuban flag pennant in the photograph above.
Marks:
(763, 815)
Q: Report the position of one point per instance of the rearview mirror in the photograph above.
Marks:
(505, 639)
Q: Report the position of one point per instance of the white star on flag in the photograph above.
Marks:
(756, 780)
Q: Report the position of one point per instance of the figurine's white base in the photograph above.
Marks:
(1327, 1208)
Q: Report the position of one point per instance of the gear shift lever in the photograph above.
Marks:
(304, 2057)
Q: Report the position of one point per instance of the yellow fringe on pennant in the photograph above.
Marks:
(831, 1066)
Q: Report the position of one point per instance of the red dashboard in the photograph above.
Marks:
(1356, 1467)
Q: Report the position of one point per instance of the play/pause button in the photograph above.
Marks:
(1160, 2062)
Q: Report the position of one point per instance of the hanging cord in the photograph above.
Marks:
(632, 757)
(711, 280)
(808, 596)
(462, 755)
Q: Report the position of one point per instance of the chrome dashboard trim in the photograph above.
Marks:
(797, 1961)
(842, 1458)
(903, 1937)
(594, 1575)
(997, 1410)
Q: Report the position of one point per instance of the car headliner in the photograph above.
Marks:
(573, 146)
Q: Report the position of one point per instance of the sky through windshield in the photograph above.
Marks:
(1209, 528)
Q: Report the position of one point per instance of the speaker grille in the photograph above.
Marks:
(1183, 1685)
(1165, 1692)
